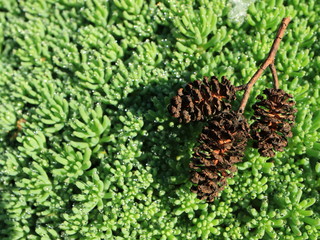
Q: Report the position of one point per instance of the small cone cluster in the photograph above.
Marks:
(222, 143)
(200, 99)
(274, 117)
(223, 140)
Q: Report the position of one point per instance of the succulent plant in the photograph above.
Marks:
(129, 179)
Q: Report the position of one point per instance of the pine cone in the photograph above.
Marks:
(222, 143)
(274, 117)
(200, 99)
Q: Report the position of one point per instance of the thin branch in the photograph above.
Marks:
(266, 63)
(240, 88)
(274, 75)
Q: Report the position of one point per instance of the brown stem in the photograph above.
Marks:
(19, 123)
(240, 88)
(267, 62)
(274, 75)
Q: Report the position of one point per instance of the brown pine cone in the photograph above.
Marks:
(200, 99)
(274, 117)
(222, 144)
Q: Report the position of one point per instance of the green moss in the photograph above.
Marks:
(99, 157)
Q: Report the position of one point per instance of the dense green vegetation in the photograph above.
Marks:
(99, 157)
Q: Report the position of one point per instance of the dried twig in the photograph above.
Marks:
(267, 62)
(274, 75)
(13, 134)
(240, 88)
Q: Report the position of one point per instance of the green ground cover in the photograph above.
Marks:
(99, 157)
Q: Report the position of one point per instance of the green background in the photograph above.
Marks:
(99, 157)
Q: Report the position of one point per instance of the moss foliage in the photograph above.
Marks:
(99, 157)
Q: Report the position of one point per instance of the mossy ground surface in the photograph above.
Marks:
(99, 157)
